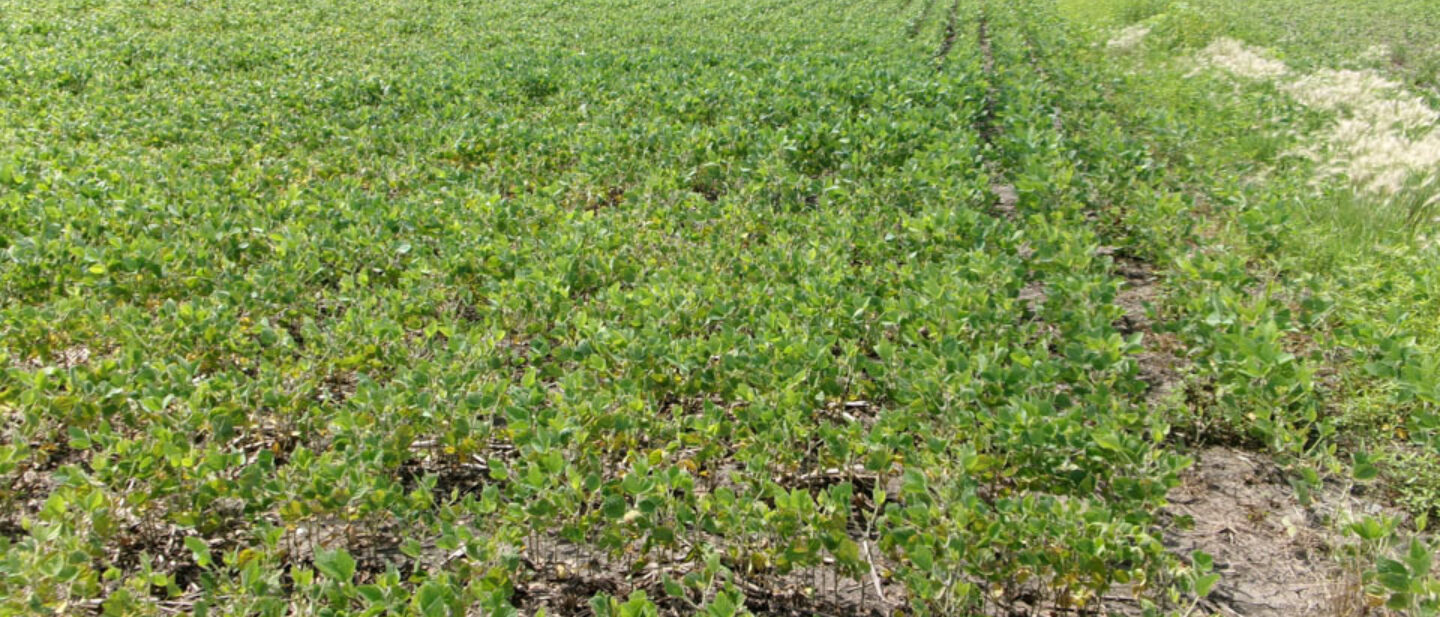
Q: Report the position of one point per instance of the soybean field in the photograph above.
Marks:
(724, 307)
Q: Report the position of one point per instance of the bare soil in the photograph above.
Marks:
(1272, 552)
(1162, 360)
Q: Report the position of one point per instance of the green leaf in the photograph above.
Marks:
(634, 484)
(614, 507)
(337, 565)
(1392, 574)
(1364, 468)
(200, 549)
(78, 439)
(1203, 561)
(847, 552)
(673, 588)
(638, 605)
(1205, 583)
(497, 470)
(1418, 558)
(601, 605)
(372, 593)
(1368, 529)
(923, 557)
(430, 600)
(1108, 441)
(722, 606)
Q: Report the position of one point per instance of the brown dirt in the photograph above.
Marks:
(1272, 553)
(1033, 297)
(1162, 360)
(338, 387)
(1006, 198)
(820, 591)
(1140, 289)
(63, 359)
(27, 489)
(564, 576)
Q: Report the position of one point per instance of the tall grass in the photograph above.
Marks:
(1349, 220)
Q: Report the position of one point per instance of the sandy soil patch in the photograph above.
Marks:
(1273, 554)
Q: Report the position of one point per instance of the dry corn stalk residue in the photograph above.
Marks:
(1383, 137)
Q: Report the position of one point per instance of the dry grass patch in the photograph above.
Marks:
(1241, 60)
(1382, 140)
(1129, 38)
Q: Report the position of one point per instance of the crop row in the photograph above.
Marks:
(708, 307)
